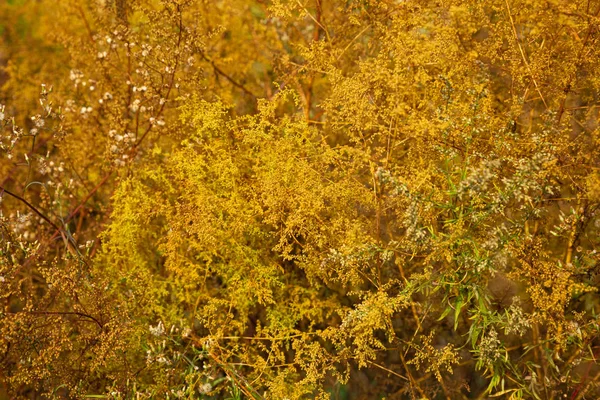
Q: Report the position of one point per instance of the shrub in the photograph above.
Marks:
(299, 199)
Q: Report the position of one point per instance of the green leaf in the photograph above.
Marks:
(503, 392)
(445, 313)
(457, 307)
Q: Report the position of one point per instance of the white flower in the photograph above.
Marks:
(157, 330)
(136, 105)
(206, 388)
(162, 360)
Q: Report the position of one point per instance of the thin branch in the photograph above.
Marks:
(388, 370)
(31, 207)
(87, 25)
(315, 20)
(162, 107)
(64, 313)
(512, 23)
(226, 76)
(568, 88)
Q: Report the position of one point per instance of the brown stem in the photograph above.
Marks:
(567, 88)
(87, 25)
(414, 383)
(584, 382)
(28, 204)
(226, 76)
(162, 107)
(64, 313)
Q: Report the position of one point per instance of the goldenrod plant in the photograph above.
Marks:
(298, 199)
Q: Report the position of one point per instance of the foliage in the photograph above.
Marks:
(299, 199)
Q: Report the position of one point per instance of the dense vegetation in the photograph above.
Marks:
(288, 199)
